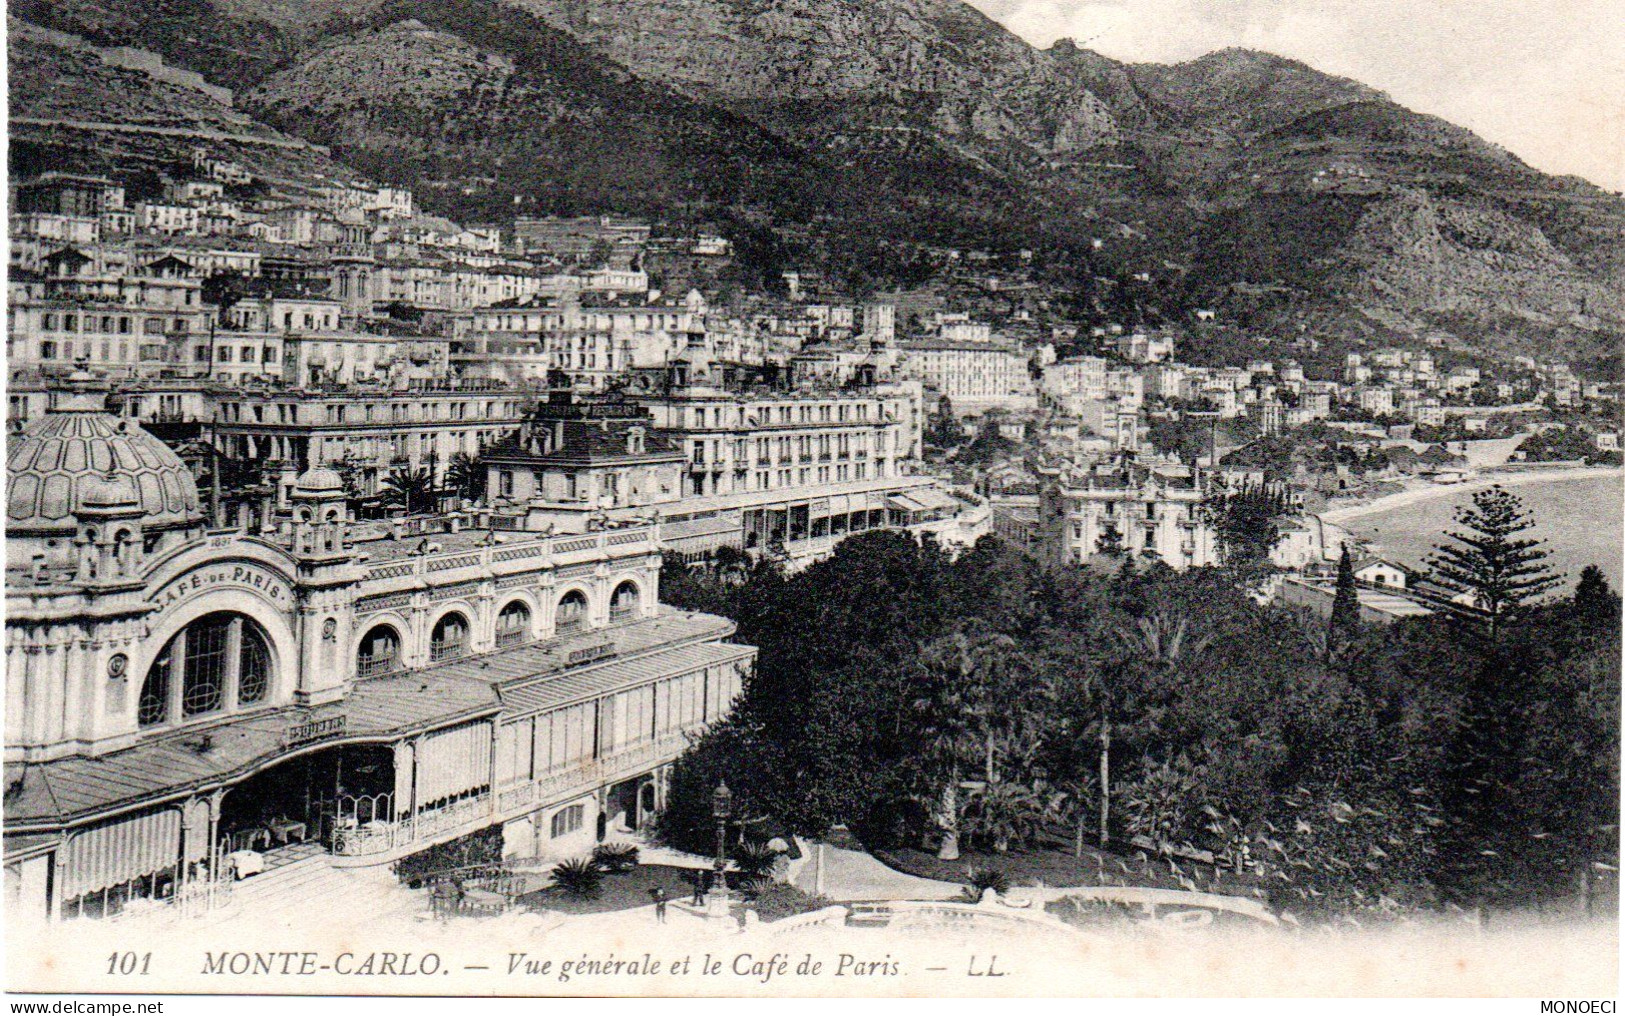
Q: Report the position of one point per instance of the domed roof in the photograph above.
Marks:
(79, 454)
(109, 491)
(319, 480)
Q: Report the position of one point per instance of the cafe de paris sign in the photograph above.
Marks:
(225, 576)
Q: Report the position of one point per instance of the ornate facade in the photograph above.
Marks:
(180, 699)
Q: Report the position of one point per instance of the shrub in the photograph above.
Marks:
(615, 857)
(481, 847)
(578, 877)
(980, 880)
(775, 901)
(755, 858)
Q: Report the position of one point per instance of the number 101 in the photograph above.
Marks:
(129, 963)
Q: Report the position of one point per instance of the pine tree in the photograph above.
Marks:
(1490, 562)
(945, 430)
(1594, 602)
(1110, 543)
(1346, 602)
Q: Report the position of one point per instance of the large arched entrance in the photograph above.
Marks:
(310, 802)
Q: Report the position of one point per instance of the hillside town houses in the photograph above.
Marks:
(335, 528)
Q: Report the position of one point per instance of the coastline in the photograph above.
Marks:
(1429, 490)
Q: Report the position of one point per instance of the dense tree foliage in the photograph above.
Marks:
(943, 429)
(1247, 522)
(932, 702)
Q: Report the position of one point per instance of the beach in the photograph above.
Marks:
(1580, 513)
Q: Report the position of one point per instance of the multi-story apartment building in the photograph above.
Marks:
(119, 322)
(580, 461)
(1153, 510)
(974, 375)
(591, 343)
(365, 431)
(1141, 347)
(184, 706)
(70, 194)
(960, 328)
(1083, 375)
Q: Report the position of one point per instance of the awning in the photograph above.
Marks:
(23, 845)
(932, 497)
(551, 693)
(698, 535)
(905, 502)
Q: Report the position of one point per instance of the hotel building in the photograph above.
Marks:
(725, 459)
(1153, 511)
(974, 375)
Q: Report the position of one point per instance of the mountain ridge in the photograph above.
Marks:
(921, 121)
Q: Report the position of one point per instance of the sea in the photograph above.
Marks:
(1582, 521)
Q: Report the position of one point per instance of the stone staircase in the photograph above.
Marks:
(302, 886)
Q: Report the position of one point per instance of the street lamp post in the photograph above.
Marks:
(721, 810)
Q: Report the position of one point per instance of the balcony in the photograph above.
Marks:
(381, 837)
(375, 666)
(440, 652)
(557, 550)
(591, 773)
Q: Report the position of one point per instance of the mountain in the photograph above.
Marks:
(854, 130)
(64, 95)
(491, 113)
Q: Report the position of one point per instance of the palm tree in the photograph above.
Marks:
(961, 711)
(412, 489)
(466, 476)
(1160, 637)
(1007, 812)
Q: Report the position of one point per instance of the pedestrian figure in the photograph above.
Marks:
(659, 895)
(702, 882)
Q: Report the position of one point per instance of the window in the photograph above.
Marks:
(254, 671)
(571, 613)
(153, 707)
(513, 624)
(568, 820)
(505, 482)
(623, 605)
(380, 652)
(449, 639)
(47, 350)
(204, 670)
(221, 660)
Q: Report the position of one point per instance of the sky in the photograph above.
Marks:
(1543, 78)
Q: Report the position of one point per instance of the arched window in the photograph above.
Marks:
(623, 606)
(220, 661)
(449, 639)
(571, 614)
(380, 652)
(513, 624)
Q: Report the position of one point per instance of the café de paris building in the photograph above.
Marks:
(178, 696)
